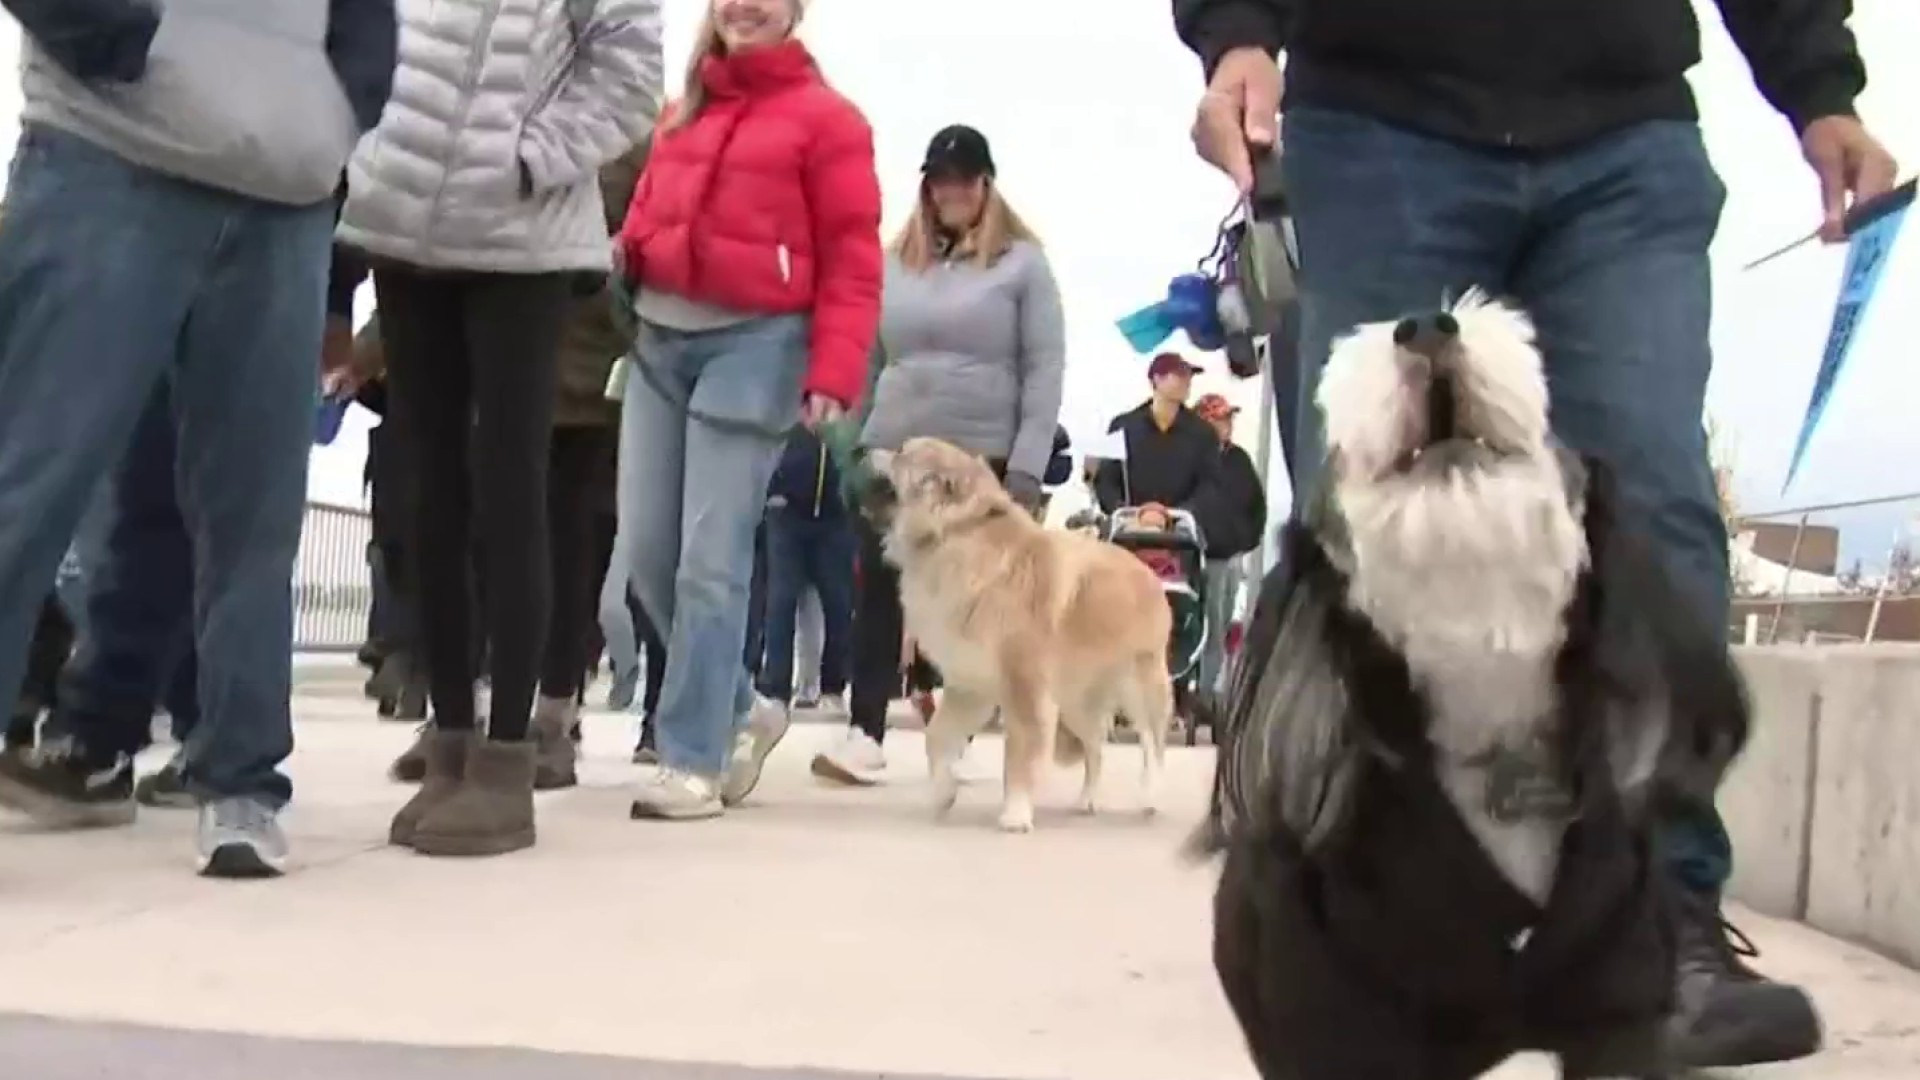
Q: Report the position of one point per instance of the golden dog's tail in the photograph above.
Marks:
(1067, 747)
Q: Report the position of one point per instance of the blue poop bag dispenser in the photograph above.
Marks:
(1235, 295)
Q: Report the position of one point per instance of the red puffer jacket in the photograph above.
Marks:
(767, 202)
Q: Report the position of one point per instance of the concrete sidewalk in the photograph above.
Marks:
(817, 929)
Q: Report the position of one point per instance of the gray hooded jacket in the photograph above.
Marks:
(975, 356)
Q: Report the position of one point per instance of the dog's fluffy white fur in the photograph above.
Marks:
(1466, 572)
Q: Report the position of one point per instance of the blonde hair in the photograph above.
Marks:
(706, 42)
(917, 245)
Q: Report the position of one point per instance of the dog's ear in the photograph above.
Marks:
(880, 461)
(1289, 758)
(1649, 638)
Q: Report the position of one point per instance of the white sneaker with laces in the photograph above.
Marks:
(676, 795)
(856, 760)
(767, 723)
(833, 704)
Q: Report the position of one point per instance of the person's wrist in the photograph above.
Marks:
(1236, 26)
(1833, 100)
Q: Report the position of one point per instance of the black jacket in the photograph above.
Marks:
(806, 482)
(1535, 74)
(1232, 508)
(1170, 467)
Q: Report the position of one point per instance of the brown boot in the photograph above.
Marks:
(554, 754)
(491, 813)
(411, 766)
(443, 764)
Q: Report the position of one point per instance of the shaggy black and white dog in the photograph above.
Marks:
(1455, 706)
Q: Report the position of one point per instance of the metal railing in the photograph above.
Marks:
(1760, 619)
(332, 584)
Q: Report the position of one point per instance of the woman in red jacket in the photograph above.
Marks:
(753, 247)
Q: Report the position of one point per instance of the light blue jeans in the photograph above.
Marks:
(706, 416)
(616, 622)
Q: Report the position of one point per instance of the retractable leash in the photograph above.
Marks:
(1260, 266)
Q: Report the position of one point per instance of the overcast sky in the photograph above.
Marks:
(1087, 104)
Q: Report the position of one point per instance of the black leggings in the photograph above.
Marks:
(655, 648)
(470, 371)
(878, 626)
(577, 470)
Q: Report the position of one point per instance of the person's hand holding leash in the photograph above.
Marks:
(819, 409)
(1238, 113)
(1852, 165)
(343, 370)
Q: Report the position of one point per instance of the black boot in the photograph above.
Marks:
(1727, 1014)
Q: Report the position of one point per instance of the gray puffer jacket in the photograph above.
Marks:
(975, 356)
(491, 98)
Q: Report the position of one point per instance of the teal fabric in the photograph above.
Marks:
(842, 437)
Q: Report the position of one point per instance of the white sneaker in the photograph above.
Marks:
(833, 704)
(676, 795)
(767, 723)
(856, 760)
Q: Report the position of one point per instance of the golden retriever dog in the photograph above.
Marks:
(1060, 632)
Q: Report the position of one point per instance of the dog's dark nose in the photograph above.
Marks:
(1429, 336)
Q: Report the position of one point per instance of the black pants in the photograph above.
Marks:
(470, 371)
(655, 648)
(576, 472)
(39, 692)
(756, 644)
(878, 627)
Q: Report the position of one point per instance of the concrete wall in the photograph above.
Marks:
(1824, 807)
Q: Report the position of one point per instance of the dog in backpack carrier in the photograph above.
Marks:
(1457, 704)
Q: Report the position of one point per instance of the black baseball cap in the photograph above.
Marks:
(958, 151)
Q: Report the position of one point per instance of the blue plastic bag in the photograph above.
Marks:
(326, 425)
(1191, 305)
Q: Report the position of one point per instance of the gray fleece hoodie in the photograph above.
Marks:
(975, 356)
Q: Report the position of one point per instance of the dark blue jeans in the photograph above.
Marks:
(1605, 245)
(135, 601)
(804, 551)
(112, 278)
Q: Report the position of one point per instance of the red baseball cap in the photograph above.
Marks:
(1215, 407)
(1168, 363)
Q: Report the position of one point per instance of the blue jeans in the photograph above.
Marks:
(802, 552)
(135, 609)
(112, 278)
(1223, 602)
(1605, 244)
(705, 419)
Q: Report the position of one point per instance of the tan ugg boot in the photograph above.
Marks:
(411, 765)
(554, 753)
(491, 813)
(443, 766)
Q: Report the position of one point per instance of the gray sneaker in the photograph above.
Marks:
(767, 724)
(241, 838)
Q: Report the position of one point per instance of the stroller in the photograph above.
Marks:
(1177, 554)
